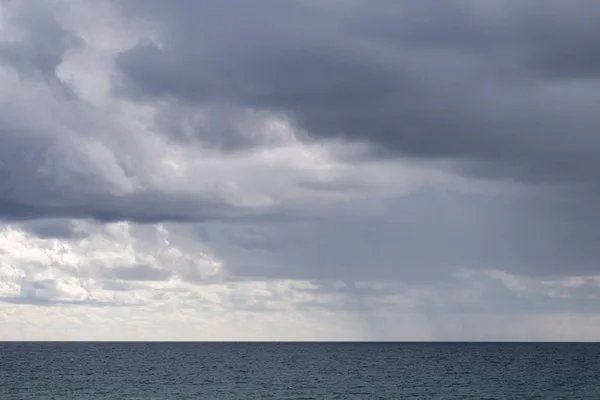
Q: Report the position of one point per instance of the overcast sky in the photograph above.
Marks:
(299, 170)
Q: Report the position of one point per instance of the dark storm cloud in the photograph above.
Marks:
(501, 88)
(143, 208)
(62, 157)
(423, 237)
(498, 84)
(52, 228)
(42, 44)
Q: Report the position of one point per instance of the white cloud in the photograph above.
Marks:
(124, 281)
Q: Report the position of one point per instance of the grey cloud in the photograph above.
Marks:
(423, 237)
(492, 297)
(475, 293)
(493, 84)
(39, 290)
(44, 292)
(357, 297)
(137, 272)
(59, 158)
(502, 89)
(52, 228)
(219, 127)
(560, 37)
(117, 286)
(42, 45)
(143, 208)
(63, 158)
(44, 302)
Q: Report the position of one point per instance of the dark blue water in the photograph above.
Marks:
(298, 371)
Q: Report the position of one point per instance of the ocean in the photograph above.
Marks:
(147, 371)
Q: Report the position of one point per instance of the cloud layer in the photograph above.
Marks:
(299, 169)
(507, 87)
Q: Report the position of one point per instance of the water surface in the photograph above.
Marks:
(91, 371)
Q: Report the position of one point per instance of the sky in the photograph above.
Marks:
(299, 170)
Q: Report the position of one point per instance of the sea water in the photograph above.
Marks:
(90, 371)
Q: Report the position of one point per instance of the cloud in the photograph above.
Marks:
(35, 41)
(92, 156)
(138, 277)
(70, 149)
(506, 87)
(51, 228)
(298, 170)
(89, 266)
(426, 235)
